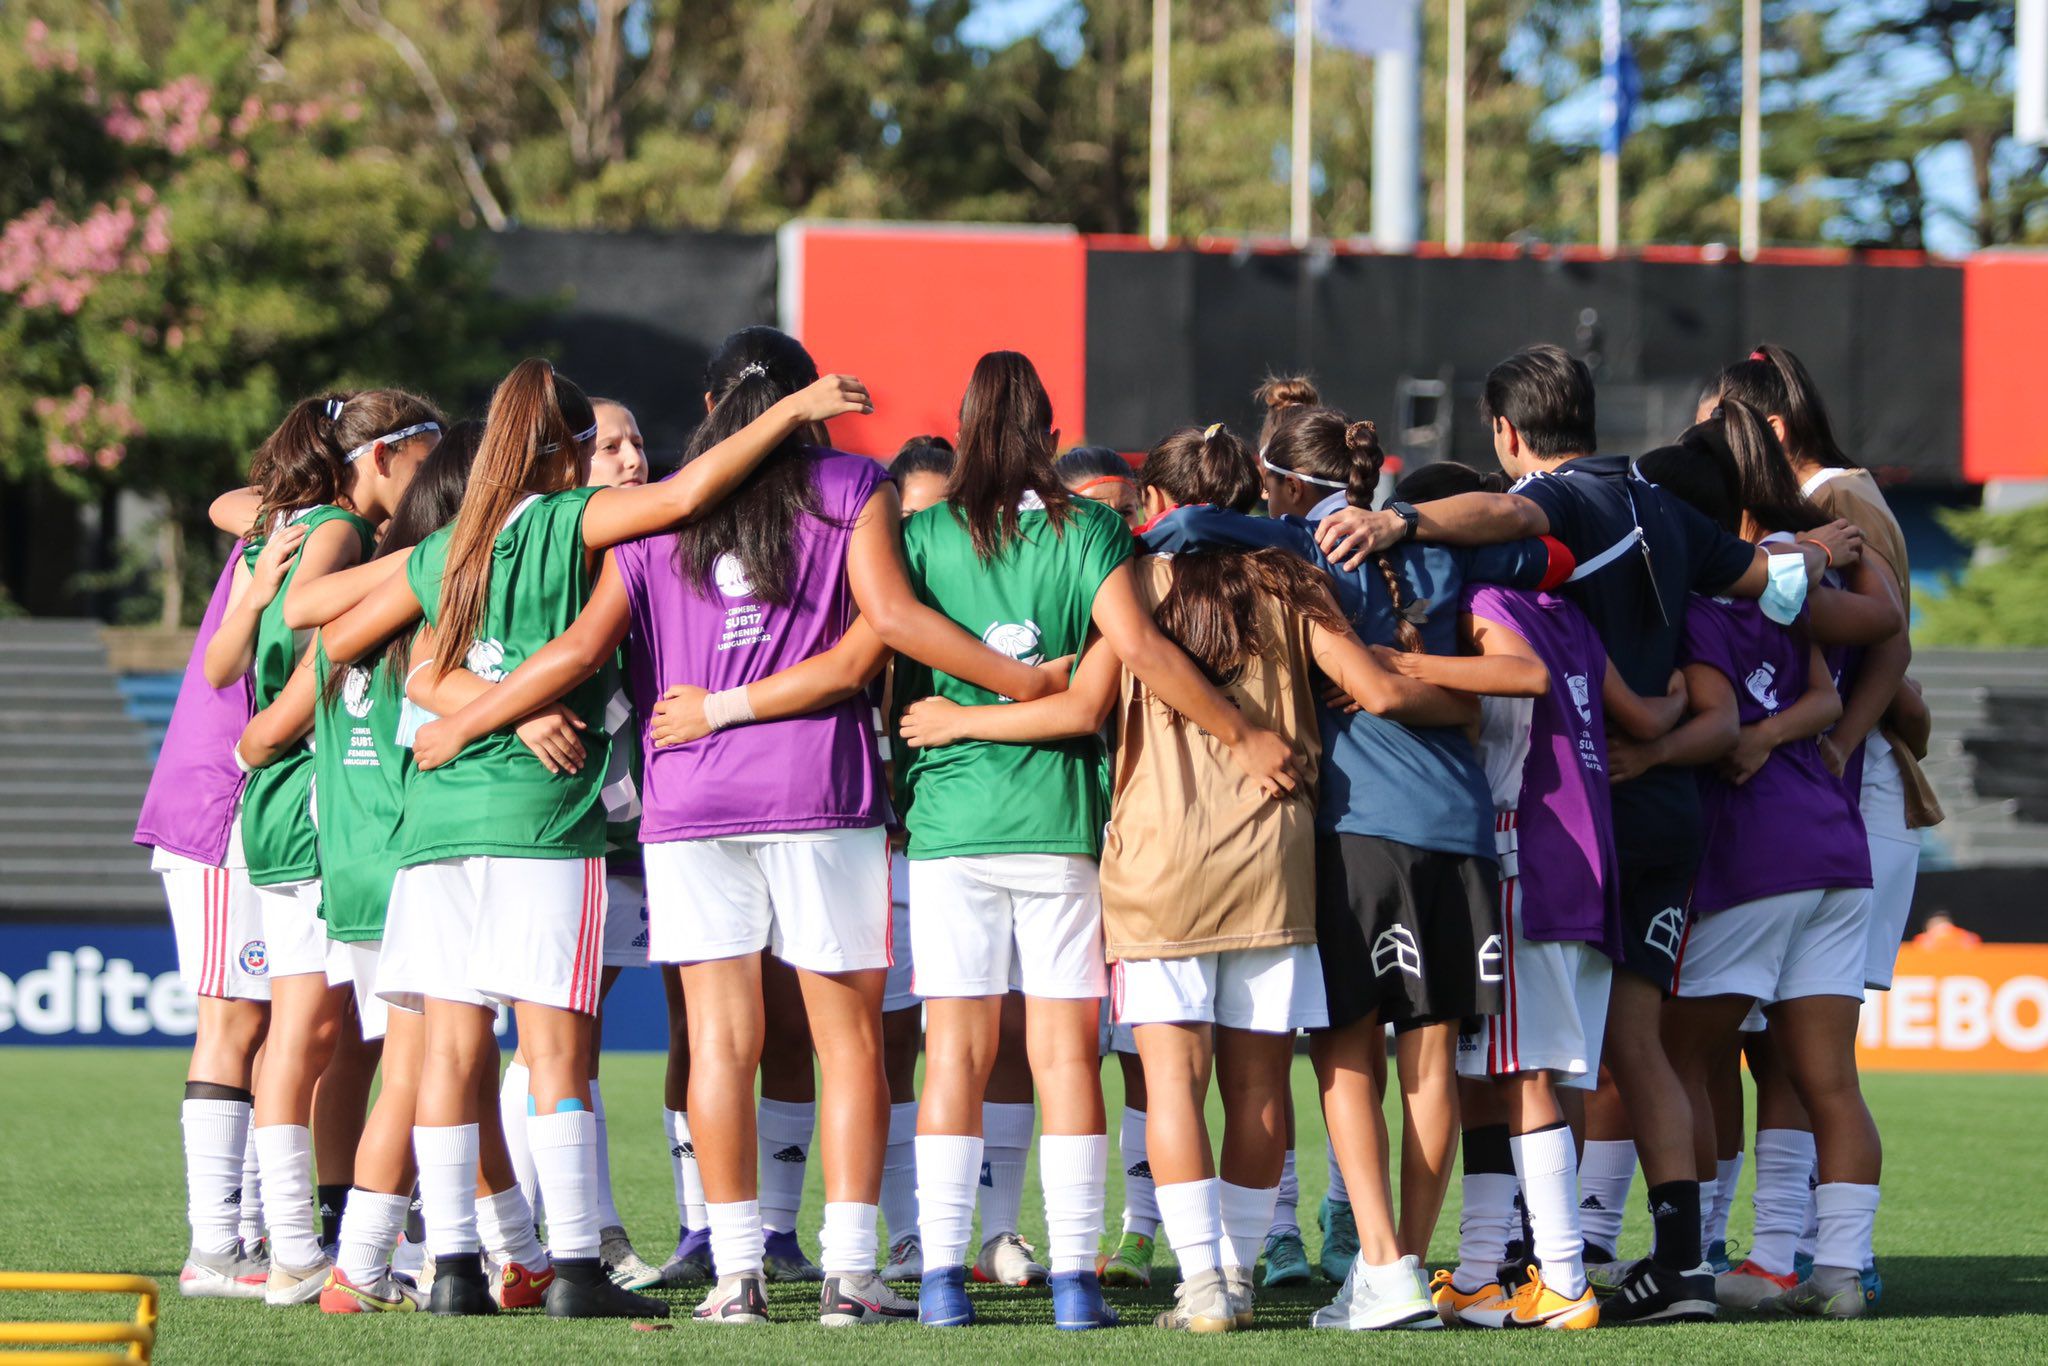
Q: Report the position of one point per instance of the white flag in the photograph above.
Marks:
(1369, 26)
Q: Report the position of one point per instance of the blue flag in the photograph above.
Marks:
(1368, 26)
(1621, 84)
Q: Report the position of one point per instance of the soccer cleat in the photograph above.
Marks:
(1130, 1266)
(1718, 1260)
(1237, 1283)
(1607, 1272)
(1749, 1285)
(1657, 1294)
(460, 1288)
(1873, 1285)
(385, 1295)
(846, 1301)
(735, 1299)
(784, 1259)
(906, 1259)
(519, 1287)
(1077, 1303)
(942, 1298)
(222, 1276)
(290, 1285)
(1006, 1260)
(1514, 1266)
(1536, 1305)
(581, 1290)
(1802, 1264)
(690, 1264)
(625, 1266)
(1201, 1304)
(1286, 1260)
(1361, 1307)
(1484, 1307)
(1340, 1240)
(1831, 1292)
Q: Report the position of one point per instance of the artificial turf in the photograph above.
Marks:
(91, 1179)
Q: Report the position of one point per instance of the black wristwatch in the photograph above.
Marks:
(1408, 515)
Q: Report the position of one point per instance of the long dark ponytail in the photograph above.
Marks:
(753, 369)
(1324, 443)
(1763, 477)
(1006, 451)
(1775, 383)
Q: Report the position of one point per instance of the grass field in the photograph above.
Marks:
(91, 1179)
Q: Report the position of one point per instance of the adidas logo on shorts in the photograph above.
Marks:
(791, 1154)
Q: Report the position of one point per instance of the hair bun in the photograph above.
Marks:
(1361, 436)
(1287, 391)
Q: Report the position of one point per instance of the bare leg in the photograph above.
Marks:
(1345, 1065)
(1429, 1133)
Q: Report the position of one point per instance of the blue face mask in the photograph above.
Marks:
(1785, 594)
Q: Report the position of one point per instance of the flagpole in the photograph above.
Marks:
(1610, 149)
(1304, 49)
(1454, 132)
(1162, 115)
(1752, 126)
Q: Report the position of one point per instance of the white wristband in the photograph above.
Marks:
(728, 708)
(240, 762)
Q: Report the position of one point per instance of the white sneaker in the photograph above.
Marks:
(1201, 1304)
(1237, 1283)
(906, 1259)
(222, 1276)
(622, 1264)
(1006, 1260)
(1399, 1299)
(289, 1285)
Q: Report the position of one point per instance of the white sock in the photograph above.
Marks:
(1141, 1210)
(1073, 1169)
(371, 1225)
(1247, 1212)
(565, 1157)
(899, 1173)
(504, 1225)
(216, 1138)
(1809, 1236)
(1727, 1172)
(607, 1208)
(737, 1239)
(514, 1092)
(1605, 1174)
(847, 1242)
(784, 1130)
(1848, 1225)
(689, 1182)
(1784, 1160)
(1547, 1165)
(948, 1171)
(1193, 1215)
(252, 1222)
(1006, 1143)
(285, 1152)
(447, 1157)
(1339, 1195)
(1486, 1224)
(1710, 1196)
(1285, 1219)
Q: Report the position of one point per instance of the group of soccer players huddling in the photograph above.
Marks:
(1583, 787)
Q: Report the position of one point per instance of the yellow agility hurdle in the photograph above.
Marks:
(136, 1338)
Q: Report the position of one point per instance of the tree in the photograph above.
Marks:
(2002, 600)
(192, 240)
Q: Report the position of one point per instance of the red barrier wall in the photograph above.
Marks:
(911, 308)
(2005, 355)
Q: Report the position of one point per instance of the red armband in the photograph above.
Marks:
(1562, 563)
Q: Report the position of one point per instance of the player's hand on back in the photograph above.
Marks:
(1269, 760)
(1350, 534)
(679, 717)
(273, 562)
(1842, 540)
(551, 733)
(933, 721)
(831, 396)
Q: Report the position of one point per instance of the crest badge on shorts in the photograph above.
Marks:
(1396, 948)
(1666, 932)
(254, 958)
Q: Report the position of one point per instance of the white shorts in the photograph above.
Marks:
(480, 930)
(218, 924)
(1111, 1037)
(1553, 1007)
(818, 900)
(1894, 860)
(897, 992)
(296, 935)
(1268, 991)
(984, 924)
(373, 1010)
(1778, 948)
(625, 921)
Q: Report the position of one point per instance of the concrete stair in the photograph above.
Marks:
(74, 762)
(1979, 832)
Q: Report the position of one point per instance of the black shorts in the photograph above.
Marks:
(1409, 934)
(1654, 897)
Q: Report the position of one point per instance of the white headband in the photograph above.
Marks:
(578, 439)
(1304, 478)
(392, 440)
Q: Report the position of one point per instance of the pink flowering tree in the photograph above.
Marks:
(191, 237)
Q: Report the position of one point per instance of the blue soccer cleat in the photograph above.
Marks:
(942, 1298)
(1077, 1303)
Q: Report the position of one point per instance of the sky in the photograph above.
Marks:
(1945, 171)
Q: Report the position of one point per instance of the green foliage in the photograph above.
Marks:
(2003, 600)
